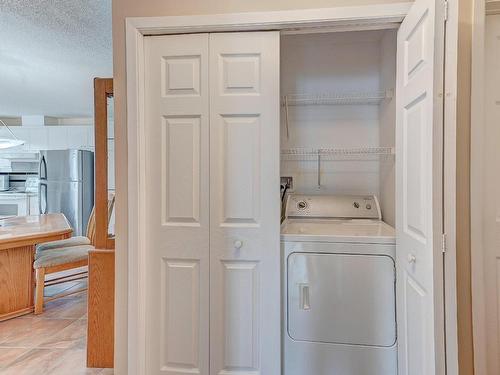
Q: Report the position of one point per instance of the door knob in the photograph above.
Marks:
(238, 244)
(412, 258)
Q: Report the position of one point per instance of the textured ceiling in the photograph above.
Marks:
(50, 51)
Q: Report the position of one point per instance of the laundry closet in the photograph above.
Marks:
(256, 143)
(338, 119)
(338, 134)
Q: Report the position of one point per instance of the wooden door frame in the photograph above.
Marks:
(335, 19)
(482, 8)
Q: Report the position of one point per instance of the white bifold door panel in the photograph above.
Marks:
(177, 183)
(212, 135)
(419, 130)
(244, 204)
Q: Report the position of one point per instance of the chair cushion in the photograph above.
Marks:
(73, 241)
(63, 255)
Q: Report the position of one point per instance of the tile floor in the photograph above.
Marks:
(53, 343)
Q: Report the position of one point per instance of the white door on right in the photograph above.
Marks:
(419, 132)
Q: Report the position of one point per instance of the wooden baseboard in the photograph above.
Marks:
(16, 314)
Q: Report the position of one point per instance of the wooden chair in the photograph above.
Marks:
(58, 256)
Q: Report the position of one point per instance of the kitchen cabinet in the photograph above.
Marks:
(18, 204)
(59, 137)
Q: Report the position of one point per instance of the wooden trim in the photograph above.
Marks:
(35, 239)
(66, 266)
(103, 89)
(272, 20)
(477, 140)
(15, 314)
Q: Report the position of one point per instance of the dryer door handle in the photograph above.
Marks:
(304, 297)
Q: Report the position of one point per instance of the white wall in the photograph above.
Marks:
(388, 128)
(338, 62)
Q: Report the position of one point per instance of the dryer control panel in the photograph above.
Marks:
(333, 206)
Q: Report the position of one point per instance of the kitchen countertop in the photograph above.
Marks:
(17, 193)
(31, 228)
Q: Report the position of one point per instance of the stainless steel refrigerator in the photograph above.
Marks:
(67, 186)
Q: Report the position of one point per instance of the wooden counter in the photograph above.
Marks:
(18, 237)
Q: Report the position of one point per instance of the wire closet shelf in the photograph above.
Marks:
(370, 97)
(359, 153)
(361, 98)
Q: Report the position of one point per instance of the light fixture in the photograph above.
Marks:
(10, 142)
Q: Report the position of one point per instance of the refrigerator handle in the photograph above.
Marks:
(43, 168)
(44, 211)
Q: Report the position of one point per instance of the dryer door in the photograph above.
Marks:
(342, 299)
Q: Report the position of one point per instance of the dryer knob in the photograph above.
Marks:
(238, 244)
(302, 205)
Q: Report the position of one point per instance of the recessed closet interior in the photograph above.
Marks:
(338, 113)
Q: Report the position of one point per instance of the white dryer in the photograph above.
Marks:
(338, 287)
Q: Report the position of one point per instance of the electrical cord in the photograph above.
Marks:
(284, 192)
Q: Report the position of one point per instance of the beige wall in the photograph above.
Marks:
(142, 8)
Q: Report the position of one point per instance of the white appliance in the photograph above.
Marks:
(338, 287)
(18, 203)
(4, 182)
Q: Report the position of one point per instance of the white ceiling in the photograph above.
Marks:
(50, 51)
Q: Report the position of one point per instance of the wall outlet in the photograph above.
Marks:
(287, 181)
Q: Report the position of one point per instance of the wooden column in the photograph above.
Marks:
(101, 291)
(103, 89)
(101, 311)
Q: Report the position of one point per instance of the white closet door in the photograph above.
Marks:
(244, 204)
(419, 131)
(177, 185)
